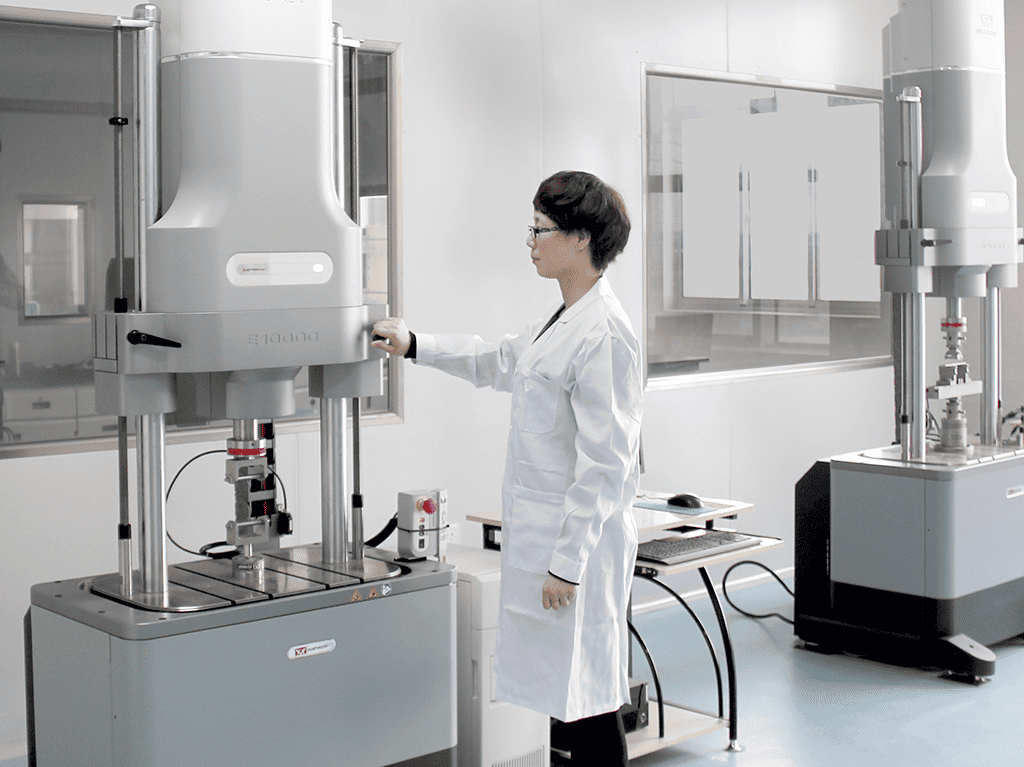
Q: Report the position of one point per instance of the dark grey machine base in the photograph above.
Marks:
(904, 629)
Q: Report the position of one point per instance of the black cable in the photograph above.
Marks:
(205, 550)
(284, 493)
(382, 536)
(932, 424)
(168, 495)
(725, 593)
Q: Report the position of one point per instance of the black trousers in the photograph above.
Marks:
(598, 741)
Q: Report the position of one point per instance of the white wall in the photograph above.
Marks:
(495, 95)
(749, 440)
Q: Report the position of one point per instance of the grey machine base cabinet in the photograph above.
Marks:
(336, 676)
(912, 564)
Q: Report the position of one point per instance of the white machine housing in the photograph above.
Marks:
(491, 733)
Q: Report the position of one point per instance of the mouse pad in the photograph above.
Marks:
(659, 505)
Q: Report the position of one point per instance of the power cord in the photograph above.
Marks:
(725, 592)
(385, 532)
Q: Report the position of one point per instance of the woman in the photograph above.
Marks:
(571, 470)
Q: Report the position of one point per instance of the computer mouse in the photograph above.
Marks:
(686, 500)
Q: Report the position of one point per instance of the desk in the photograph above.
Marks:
(671, 723)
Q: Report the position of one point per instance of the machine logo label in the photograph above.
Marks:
(311, 649)
(274, 339)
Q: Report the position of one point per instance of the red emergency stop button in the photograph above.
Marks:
(429, 505)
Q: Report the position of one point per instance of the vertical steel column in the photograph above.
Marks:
(149, 428)
(991, 366)
(147, 121)
(913, 425)
(353, 133)
(913, 372)
(358, 536)
(340, 509)
(333, 480)
(118, 121)
(149, 445)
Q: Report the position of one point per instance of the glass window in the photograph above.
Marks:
(761, 207)
(53, 259)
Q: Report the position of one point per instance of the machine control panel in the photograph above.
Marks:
(422, 524)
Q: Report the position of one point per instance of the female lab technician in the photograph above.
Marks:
(571, 470)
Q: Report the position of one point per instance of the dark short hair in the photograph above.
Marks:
(577, 201)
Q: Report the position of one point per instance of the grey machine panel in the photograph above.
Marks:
(940, 530)
(365, 679)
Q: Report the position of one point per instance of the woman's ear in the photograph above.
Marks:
(584, 239)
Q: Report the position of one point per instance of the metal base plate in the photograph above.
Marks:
(179, 599)
(365, 570)
(938, 459)
(214, 583)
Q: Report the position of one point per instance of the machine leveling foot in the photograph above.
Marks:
(964, 658)
(977, 681)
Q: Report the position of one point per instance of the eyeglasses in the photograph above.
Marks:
(535, 230)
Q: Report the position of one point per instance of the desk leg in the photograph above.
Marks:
(704, 633)
(730, 661)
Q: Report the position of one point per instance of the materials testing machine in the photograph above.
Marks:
(912, 552)
(309, 655)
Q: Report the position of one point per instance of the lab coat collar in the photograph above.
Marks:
(601, 288)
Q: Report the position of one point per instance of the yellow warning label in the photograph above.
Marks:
(356, 597)
(373, 593)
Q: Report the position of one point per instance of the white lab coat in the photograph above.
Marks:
(571, 473)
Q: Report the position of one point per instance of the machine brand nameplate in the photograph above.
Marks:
(288, 268)
(311, 649)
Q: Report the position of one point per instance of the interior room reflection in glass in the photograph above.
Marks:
(761, 207)
(53, 259)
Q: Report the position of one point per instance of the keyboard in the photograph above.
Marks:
(672, 551)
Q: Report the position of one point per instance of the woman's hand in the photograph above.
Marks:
(396, 336)
(557, 593)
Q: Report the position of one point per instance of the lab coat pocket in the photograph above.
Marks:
(537, 407)
(535, 523)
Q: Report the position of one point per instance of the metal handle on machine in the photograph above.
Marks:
(813, 239)
(745, 267)
(136, 337)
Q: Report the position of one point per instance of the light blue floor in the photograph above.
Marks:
(802, 709)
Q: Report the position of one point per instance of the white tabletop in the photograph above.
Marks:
(651, 520)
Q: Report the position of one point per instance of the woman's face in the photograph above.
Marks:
(557, 254)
